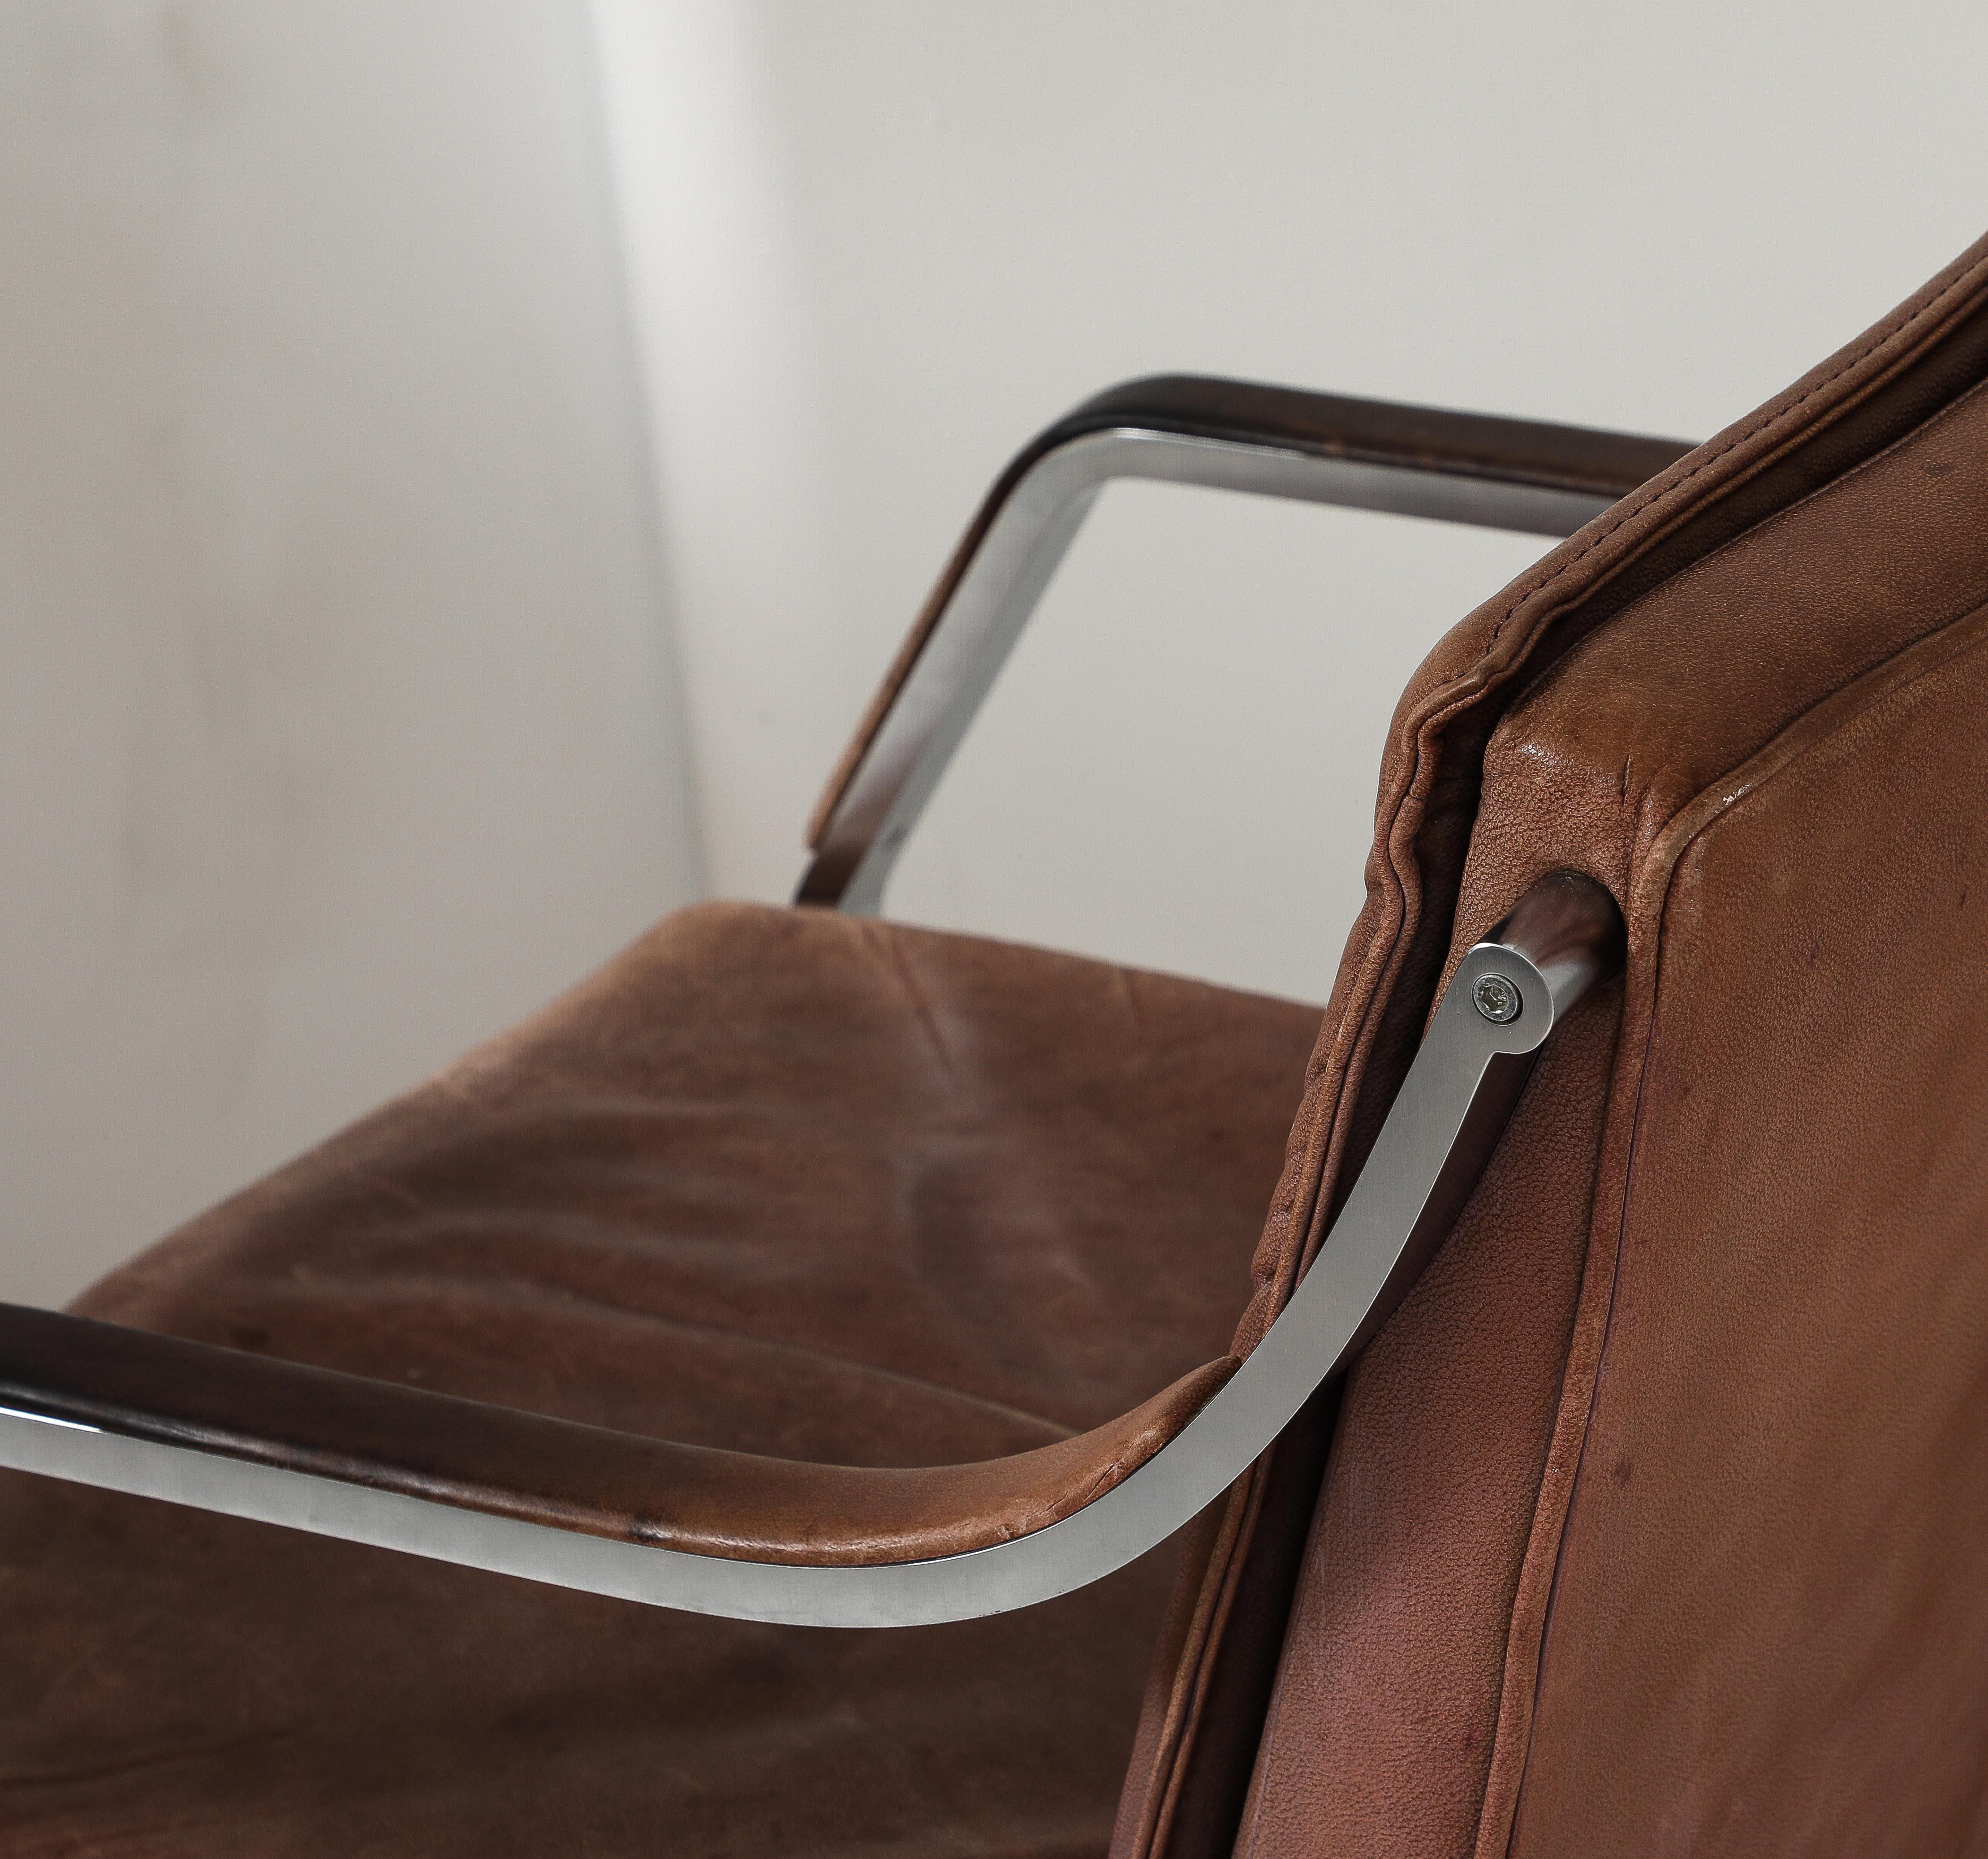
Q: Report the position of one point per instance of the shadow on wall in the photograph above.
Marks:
(342, 611)
(339, 714)
(874, 246)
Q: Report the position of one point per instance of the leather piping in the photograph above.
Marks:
(1532, 1612)
(1385, 997)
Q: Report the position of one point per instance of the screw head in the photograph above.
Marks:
(1498, 999)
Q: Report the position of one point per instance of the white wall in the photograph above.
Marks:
(340, 723)
(877, 243)
(339, 716)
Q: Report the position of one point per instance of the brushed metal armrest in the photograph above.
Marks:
(761, 1539)
(1464, 467)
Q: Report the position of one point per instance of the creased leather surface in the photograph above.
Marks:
(1764, 633)
(1434, 797)
(1390, 1670)
(1403, 1721)
(1767, 1633)
(1441, 784)
(774, 1182)
(505, 1462)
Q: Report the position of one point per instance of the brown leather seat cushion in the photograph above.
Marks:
(777, 1180)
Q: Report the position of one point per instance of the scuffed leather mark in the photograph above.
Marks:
(1654, 858)
(1114, 1471)
(1487, 653)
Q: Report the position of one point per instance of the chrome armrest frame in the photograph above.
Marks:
(1505, 997)
(1462, 467)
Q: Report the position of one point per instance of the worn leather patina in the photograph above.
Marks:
(774, 1182)
(1787, 556)
(1655, 1521)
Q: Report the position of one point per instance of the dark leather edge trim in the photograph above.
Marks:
(506, 1463)
(1438, 441)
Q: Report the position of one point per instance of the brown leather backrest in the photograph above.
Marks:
(1654, 1521)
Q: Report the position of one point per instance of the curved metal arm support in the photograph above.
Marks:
(1460, 468)
(1505, 998)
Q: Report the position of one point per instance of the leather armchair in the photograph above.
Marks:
(1615, 1484)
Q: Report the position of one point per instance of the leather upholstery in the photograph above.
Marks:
(504, 1462)
(775, 1181)
(1652, 1523)
(1768, 1632)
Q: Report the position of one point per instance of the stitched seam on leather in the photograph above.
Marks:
(1461, 695)
(1444, 703)
(1720, 798)
(1438, 714)
(1460, 691)
(1193, 1674)
(1404, 819)
(1570, 664)
(1878, 340)
(1634, 1117)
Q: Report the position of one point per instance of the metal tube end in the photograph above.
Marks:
(1569, 928)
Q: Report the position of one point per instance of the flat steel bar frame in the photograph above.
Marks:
(1564, 936)
(1474, 469)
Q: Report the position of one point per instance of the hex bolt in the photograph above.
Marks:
(1498, 999)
